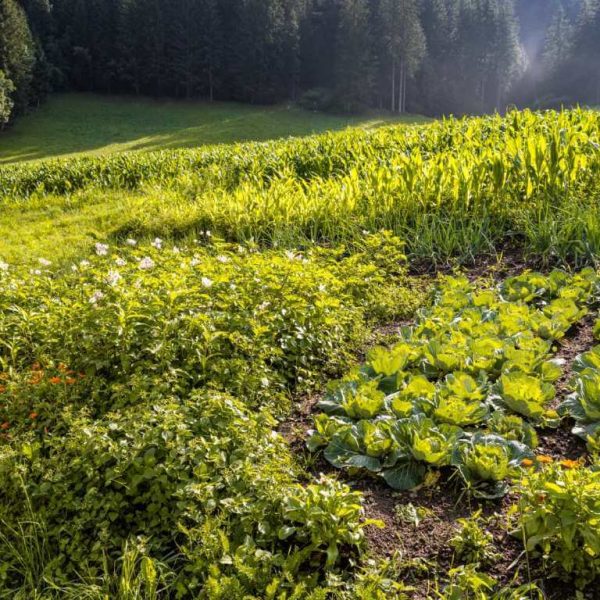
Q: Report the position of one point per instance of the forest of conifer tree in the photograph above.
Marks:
(427, 56)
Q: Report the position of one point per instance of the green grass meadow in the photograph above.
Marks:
(77, 124)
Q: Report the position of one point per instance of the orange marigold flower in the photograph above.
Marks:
(2, 389)
(33, 415)
(569, 464)
(62, 367)
(70, 381)
(544, 459)
(36, 377)
(55, 380)
(527, 462)
(4, 426)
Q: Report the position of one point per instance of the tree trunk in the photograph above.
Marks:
(393, 85)
(400, 83)
(402, 88)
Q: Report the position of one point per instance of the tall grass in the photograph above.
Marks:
(452, 188)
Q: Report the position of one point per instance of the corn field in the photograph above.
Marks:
(454, 188)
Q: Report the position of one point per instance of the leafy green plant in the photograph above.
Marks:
(414, 515)
(430, 443)
(467, 583)
(364, 445)
(583, 404)
(323, 517)
(558, 515)
(364, 403)
(472, 544)
(485, 462)
(512, 427)
(525, 394)
(464, 387)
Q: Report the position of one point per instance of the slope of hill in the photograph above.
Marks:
(75, 124)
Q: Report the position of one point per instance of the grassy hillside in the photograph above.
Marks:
(73, 124)
(532, 184)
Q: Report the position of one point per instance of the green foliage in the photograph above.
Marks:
(472, 543)
(127, 466)
(162, 472)
(467, 583)
(429, 443)
(513, 427)
(326, 516)
(152, 321)
(525, 394)
(17, 60)
(409, 513)
(464, 388)
(437, 186)
(558, 515)
(485, 462)
(6, 103)
(583, 404)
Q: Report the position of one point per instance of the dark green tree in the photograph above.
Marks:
(354, 73)
(404, 46)
(17, 53)
(6, 103)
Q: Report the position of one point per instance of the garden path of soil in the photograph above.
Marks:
(424, 550)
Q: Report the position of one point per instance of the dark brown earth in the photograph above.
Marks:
(423, 551)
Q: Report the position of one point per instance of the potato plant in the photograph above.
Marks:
(139, 390)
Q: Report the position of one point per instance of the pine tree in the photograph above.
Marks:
(437, 77)
(212, 47)
(405, 46)
(586, 75)
(318, 40)
(508, 61)
(488, 52)
(558, 41)
(183, 47)
(354, 67)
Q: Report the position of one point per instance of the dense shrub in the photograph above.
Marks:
(126, 459)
